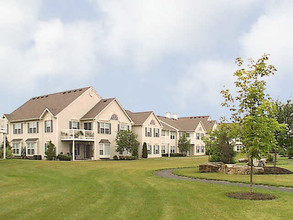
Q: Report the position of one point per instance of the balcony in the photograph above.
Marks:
(77, 134)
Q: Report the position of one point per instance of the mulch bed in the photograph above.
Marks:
(250, 196)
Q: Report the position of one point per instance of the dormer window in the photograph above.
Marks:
(114, 117)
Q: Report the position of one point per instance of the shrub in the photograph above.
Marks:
(8, 150)
(177, 155)
(270, 158)
(115, 157)
(144, 150)
(127, 158)
(63, 157)
(51, 152)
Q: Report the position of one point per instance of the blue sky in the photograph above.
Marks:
(163, 55)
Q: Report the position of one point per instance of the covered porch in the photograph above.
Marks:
(81, 150)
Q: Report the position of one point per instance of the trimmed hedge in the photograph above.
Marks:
(127, 158)
(63, 157)
(115, 157)
(174, 155)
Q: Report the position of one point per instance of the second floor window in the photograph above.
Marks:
(87, 126)
(172, 135)
(123, 127)
(104, 128)
(163, 133)
(148, 132)
(18, 128)
(48, 126)
(197, 136)
(156, 132)
(73, 125)
(188, 135)
(33, 127)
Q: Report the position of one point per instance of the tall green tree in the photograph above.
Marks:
(184, 144)
(285, 137)
(9, 154)
(253, 109)
(126, 140)
(220, 143)
(51, 151)
(144, 150)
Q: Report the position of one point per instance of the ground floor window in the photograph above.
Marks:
(16, 148)
(202, 149)
(172, 151)
(149, 147)
(156, 149)
(104, 149)
(238, 147)
(163, 149)
(31, 148)
(197, 149)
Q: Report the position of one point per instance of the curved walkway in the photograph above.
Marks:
(168, 173)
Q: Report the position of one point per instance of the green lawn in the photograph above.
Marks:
(275, 180)
(122, 190)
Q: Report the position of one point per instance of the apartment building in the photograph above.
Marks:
(194, 127)
(148, 129)
(83, 125)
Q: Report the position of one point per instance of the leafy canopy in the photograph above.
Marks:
(184, 144)
(126, 140)
(252, 108)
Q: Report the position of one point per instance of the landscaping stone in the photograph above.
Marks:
(211, 167)
(243, 160)
(238, 169)
(276, 170)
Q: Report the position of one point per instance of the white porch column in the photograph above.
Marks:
(4, 146)
(168, 150)
(73, 150)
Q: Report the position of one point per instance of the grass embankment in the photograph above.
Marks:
(122, 190)
(273, 180)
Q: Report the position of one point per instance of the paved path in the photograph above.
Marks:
(168, 173)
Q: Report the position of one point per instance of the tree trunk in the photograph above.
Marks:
(275, 158)
(251, 174)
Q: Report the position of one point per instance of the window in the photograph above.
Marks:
(33, 127)
(188, 135)
(87, 126)
(172, 135)
(156, 149)
(202, 149)
(17, 128)
(104, 128)
(148, 132)
(114, 117)
(7, 127)
(123, 127)
(73, 125)
(197, 149)
(156, 132)
(197, 136)
(152, 122)
(149, 147)
(202, 135)
(16, 148)
(163, 133)
(77, 149)
(163, 149)
(30, 148)
(105, 149)
(48, 126)
(46, 148)
(172, 150)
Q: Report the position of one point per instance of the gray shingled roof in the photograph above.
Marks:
(139, 117)
(55, 102)
(91, 114)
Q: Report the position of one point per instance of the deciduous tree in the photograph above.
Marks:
(253, 109)
(126, 140)
(184, 144)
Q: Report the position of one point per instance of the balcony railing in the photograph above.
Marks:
(77, 134)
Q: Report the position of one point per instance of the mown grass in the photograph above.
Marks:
(273, 180)
(122, 190)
